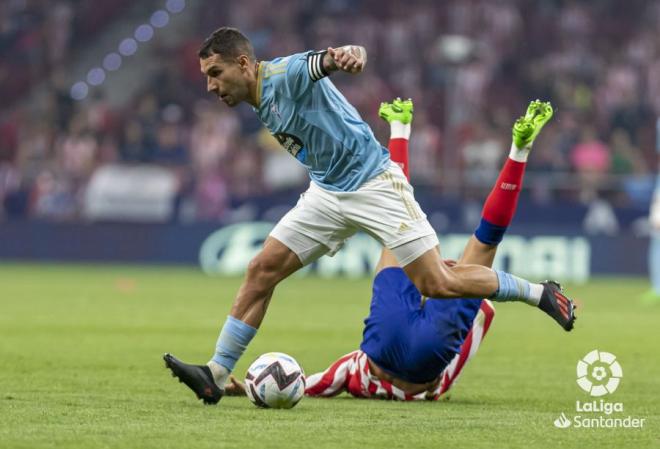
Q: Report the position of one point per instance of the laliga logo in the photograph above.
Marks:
(598, 373)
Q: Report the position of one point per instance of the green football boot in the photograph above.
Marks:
(399, 110)
(529, 126)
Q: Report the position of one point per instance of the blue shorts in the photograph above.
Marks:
(412, 339)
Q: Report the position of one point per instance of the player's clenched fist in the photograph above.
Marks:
(349, 58)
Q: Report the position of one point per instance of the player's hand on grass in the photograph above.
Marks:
(349, 58)
(433, 386)
(234, 387)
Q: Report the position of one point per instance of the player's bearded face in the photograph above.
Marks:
(227, 79)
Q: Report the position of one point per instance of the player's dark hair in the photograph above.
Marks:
(227, 42)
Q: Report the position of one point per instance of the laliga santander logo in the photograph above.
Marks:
(598, 373)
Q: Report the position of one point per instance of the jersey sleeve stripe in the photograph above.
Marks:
(332, 380)
(469, 347)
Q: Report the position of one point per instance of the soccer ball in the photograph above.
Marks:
(275, 380)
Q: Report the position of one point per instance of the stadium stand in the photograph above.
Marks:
(606, 91)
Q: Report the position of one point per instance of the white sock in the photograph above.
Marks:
(519, 154)
(220, 374)
(399, 130)
(535, 292)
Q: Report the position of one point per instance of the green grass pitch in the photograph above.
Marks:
(81, 366)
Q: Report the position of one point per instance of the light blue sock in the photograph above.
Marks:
(511, 288)
(234, 338)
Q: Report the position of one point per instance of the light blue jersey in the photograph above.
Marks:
(316, 124)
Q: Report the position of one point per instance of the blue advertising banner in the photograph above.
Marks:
(535, 253)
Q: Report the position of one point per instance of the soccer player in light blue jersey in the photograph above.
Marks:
(354, 186)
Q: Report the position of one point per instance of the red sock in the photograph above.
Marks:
(399, 153)
(502, 201)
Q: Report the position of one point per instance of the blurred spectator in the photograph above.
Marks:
(211, 197)
(169, 148)
(133, 147)
(53, 196)
(245, 172)
(626, 158)
(425, 149)
(637, 180)
(213, 136)
(483, 154)
(591, 160)
(76, 151)
(10, 180)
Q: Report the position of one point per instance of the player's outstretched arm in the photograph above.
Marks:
(349, 58)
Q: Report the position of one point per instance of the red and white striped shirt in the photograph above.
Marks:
(351, 372)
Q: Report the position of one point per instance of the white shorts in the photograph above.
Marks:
(383, 207)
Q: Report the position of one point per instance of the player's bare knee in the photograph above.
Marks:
(438, 286)
(263, 272)
(429, 286)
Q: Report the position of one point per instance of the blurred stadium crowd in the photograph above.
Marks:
(471, 66)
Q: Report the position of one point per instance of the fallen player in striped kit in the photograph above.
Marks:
(413, 347)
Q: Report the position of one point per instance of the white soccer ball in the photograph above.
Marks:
(275, 380)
